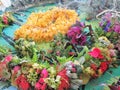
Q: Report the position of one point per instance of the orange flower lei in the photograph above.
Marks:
(42, 27)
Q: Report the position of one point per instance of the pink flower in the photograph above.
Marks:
(41, 85)
(74, 70)
(16, 69)
(96, 53)
(5, 19)
(117, 28)
(7, 59)
(44, 86)
(37, 85)
(41, 80)
(44, 73)
(112, 52)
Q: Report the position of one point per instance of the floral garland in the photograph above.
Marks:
(42, 27)
(70, 62)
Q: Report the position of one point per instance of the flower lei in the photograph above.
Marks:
(42, 27)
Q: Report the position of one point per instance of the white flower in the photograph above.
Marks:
(35, 65)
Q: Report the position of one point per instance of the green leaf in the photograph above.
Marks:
(63, 60)
(113, 80)
(106, 88)
(35, 57)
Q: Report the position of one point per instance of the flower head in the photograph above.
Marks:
(96, 53)
(93, 66)
(5, 19)
(44, 73)
(103, 67)
(64, 80)
(22, 82)
(117, 28)
(16, 69)
(7, 59)
(76, 36)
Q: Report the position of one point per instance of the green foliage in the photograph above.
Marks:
(45, 64)
(63, 60)
(26, 48)
(3, 51)
(113, 80)
(15, 61)
(32, 77)
(106, 88)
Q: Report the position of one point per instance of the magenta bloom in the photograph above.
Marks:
(7, 59)
(16, 69)
(38, 85)
(117, 28)
(41, 85)
(75, 35)
(5, 20)
(44, 73)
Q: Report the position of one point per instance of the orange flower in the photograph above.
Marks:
(42, 27)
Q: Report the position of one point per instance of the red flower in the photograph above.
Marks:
(100, 56)
(64, 85)
(96, 53)
(5, 19)
(93, 66)
(103, 66)
(22, 83)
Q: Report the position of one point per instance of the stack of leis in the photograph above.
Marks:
(44, 26)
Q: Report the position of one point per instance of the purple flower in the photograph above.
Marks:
(107, 27)
(83, 40)
(106, 22)
(76, 36)
(108, 17)
(82, 24)
(117, 28)
(74, 30)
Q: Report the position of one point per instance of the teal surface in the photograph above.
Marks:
(96, 84)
